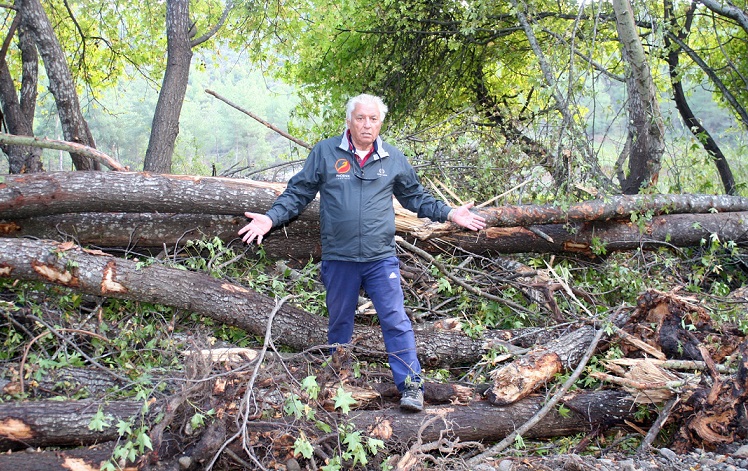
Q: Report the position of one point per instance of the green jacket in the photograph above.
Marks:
(357, 217)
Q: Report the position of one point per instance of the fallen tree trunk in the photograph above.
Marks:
(78, 459)
(480, 421)
(300, 239)
(43, 194)
(40, 194)
(511, 229)
(159, 231)
(676, 230)
(55, 423)
(612, 207)
(99, 274)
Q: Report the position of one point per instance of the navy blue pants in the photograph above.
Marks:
(381, 280)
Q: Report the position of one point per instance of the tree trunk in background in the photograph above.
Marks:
(165, 127)
(61, 84)
(692, 123)
(19, 115)
(645, 141)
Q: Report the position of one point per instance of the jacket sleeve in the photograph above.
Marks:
(413, 196)
(300, 190)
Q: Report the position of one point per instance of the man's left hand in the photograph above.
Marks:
(463, 217)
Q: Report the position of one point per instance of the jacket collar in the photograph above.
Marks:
(379, 151)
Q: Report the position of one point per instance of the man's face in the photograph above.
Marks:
(364, 125)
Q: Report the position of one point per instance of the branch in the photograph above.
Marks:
(72, 147)
(729, 11)
(729, 97)
(215, 28)
(423, 254)
(260, 120)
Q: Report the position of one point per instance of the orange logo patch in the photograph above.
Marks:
(342, 166)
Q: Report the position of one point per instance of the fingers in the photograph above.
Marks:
(252, 233)
(255, 229)
(471, 220)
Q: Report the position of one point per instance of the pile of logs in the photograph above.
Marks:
(673, 367)
(677, 364)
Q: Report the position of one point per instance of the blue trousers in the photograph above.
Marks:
(381, 280)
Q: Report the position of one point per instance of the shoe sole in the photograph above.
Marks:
(411, 407)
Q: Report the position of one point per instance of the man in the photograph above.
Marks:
(356, 176)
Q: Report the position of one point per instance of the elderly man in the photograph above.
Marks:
(356, 175)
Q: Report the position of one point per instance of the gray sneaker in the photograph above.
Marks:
(412, 398)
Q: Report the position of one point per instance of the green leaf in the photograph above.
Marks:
(144, 441)
(99, 421)
(344, 400)
(302, 447)
(123, 428)
(309, 384)
(374, 444)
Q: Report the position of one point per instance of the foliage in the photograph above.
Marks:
(433, 62)
(353, 449)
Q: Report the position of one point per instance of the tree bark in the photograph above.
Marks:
(152, 211)
(55, 423)
(61, 83)
(165, 126)
(73, 192)
(156, 232)
(701, 134)
(99, 274)
(137, 192)
(78, 459)
(299, 240)
(645, 141)
(599, 238)
(13, 139)
(19, 114)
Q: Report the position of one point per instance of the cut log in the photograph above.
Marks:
(43, 194)
(99, 274)
(300, 239)
(77, 459)
(676, 230)
(55, 423)
(482, 422)
(75, 192)
(512, 229)
(533, 370)
(611, 208)
(151, 232)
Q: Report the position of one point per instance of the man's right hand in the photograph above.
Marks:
(259, 226)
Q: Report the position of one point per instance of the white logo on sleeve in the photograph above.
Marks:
(392, 275)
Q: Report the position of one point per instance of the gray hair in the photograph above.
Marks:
(365, 98)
